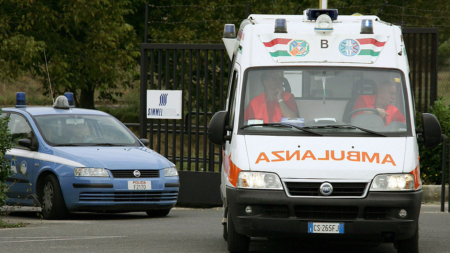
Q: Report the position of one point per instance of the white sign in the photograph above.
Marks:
(164, 104)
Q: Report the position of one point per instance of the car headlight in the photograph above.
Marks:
(259, 180)
(91, 172)
(393, 182)
(170, 172)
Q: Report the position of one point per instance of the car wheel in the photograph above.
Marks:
(237, 243)
(410, 245)
(52, 200)
(158, 213)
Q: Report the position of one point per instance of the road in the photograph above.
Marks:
(184, 230)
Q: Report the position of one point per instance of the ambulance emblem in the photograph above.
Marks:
(298, 48)
(349, 47)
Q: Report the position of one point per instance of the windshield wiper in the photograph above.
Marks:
(104, 144)
(283, 125)
(68, 145)
(347, 127)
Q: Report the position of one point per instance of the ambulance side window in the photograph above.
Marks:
(232, 105)
(20, 129)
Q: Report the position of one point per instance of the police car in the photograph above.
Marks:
(68, 159)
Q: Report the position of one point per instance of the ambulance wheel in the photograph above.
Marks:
(410, 245)
(237, 243)
(158, 213)
(52, 201)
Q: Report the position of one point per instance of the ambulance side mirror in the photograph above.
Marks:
(217, 129)
(431, 130)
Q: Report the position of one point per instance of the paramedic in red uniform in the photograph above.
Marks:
(274, 103)
(382, 101)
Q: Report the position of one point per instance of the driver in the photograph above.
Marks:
(382, 102)
(274, 103)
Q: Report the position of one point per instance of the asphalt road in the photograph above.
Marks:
(183, 230)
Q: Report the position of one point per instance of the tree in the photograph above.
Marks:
(88, 45)
(5, 164)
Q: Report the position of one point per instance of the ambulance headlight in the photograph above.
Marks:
(170, 172)
(91, 172)
(259, 180)
(393, 182)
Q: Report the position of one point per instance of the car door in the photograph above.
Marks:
(22, 161)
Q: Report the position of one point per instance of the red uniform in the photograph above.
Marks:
(269, 111)
(368, 101)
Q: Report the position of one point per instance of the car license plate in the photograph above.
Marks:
(139, 185)
(325, 228)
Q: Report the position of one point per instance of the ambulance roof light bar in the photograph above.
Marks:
(69, 96)
(366, 26)
(21, 100)
(313, 14)
(229, 31)
(280, 25)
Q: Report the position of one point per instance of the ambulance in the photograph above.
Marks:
(319, 138)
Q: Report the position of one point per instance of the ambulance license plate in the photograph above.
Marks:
(325, 228)
(139, 185)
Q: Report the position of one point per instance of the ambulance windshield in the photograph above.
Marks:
(84, 130)
(327, 100)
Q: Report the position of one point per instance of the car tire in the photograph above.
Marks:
(52, 201)
(158, 213)
(237, 243)
(410, 245)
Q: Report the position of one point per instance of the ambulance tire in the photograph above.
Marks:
(158, 213)
(237, 243)
(410, 245)
(52, 200)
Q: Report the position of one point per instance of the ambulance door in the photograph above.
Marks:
(22, 161)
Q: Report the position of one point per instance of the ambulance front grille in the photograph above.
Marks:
(339, 189)
(326, 212)
(132, 196)
(129, 173)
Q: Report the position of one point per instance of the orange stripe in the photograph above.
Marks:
(231, 169)
(416, 175)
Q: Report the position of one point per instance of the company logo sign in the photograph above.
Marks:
(326, 189)
(349, 47)
(298, 48)
(137, 173)
(163, 99)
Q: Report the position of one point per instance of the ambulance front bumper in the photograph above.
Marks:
(373, 218)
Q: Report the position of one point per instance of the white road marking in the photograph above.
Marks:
(46, 239)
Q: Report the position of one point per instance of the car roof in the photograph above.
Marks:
(37, 111)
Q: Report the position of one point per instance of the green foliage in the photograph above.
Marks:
(5, 164)
(89, 46)
(431, 158)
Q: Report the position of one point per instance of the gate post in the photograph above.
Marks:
(143, 94)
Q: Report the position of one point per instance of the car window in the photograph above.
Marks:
(20, 129)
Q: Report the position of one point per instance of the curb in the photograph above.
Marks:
(432, 193)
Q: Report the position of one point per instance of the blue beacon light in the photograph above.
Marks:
(21, 101)
(366, 26)
(69, 96)
(229, 31)
(280, 25)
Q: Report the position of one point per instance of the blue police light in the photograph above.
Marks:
(280, 25)
(229, 31)
(21, 100)
(69, 96)
(313, 14)
(366, 26)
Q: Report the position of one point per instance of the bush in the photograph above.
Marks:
(5, 164)
(431, 158)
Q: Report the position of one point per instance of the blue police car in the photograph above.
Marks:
(68, 159)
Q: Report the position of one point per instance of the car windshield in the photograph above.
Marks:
(84, 130)
(326, 100)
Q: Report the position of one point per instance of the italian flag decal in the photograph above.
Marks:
(368, 46)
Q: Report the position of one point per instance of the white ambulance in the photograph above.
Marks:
(319, 137)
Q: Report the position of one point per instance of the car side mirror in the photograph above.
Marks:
(431, 130)
(145, 142)
(28, 144)
(217, 129)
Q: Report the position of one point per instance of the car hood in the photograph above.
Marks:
(326, 158)
(114, 157)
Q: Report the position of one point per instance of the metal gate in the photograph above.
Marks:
(201, 72)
